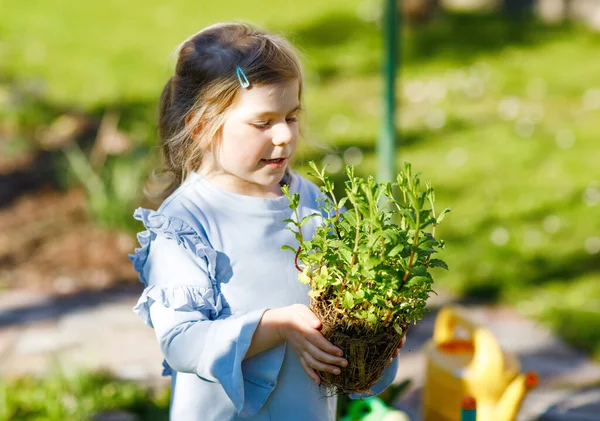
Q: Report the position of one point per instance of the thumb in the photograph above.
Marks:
(316, 323)
(312, 319)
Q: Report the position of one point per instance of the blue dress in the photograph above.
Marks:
(212, 264)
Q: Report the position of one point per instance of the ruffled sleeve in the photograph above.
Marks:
(188, 298)
(173, 229)
(182, 259)
(195, 328)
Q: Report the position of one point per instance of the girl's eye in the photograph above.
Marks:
(265, 125)
(262, 125)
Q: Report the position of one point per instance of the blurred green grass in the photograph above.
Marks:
(78, 397)
(92, 53)
(501, 115)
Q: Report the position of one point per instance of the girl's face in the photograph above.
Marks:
(257, 141)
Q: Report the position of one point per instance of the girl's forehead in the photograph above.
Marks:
(267, 98)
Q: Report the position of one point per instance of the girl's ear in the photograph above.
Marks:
(193, 123)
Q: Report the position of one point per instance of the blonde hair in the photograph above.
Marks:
(195, 99)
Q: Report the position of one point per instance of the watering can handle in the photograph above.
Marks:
(488, 358)
(447, 320)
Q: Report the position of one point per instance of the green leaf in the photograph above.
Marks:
(313, 166)
(409, 215)
(418, 270)
(394, 252)
(308, 218)
(422, 198)
(430, 221)
(418, 280)
(437, 263)
(351, 218)
(373, 239)
(368, 273)
(304, 278)
(348, 300)
(374, 261)
(372, 319)
(441, 216)
(412, 199)
(314, 294)
(290, 248)
(391, 236)
(346, 254)
(295, 201)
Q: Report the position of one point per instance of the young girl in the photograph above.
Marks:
(224, 300)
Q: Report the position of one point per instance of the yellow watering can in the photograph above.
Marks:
(472, 365)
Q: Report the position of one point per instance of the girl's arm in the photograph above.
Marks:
(198, 334)
(298, 326)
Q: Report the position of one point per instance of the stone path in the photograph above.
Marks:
(89, 330)
(98, 330)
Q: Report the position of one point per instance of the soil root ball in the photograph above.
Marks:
(367, 351)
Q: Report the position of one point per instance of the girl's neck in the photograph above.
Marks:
(247, 189)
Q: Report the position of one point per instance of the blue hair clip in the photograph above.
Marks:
(242, 77)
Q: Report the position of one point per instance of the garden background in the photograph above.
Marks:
(498, 106)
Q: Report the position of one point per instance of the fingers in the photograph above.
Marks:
(315, 364)
(311, 373)
(400, 346)
(320, 342)
(315, 352)
(315, 359)
(314, 336)
(325, 357)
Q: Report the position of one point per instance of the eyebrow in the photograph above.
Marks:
(271, 113)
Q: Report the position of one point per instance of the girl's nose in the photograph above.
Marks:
(282, 133)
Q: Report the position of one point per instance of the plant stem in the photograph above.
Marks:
(300, 243)
(412, 252)
(296, 260)
(387, 316)
(357, 237)
(354, 252)
(410, 260)
(432, 228)
(337, 214)
(337, 302)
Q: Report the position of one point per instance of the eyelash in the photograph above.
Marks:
(265, 125)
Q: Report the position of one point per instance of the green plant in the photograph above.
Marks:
(361, 263)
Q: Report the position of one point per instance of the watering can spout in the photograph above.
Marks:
(510, 402)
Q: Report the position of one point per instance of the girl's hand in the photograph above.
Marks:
(299, 328)
(397, 351)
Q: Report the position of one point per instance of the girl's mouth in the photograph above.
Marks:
(274, 162)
